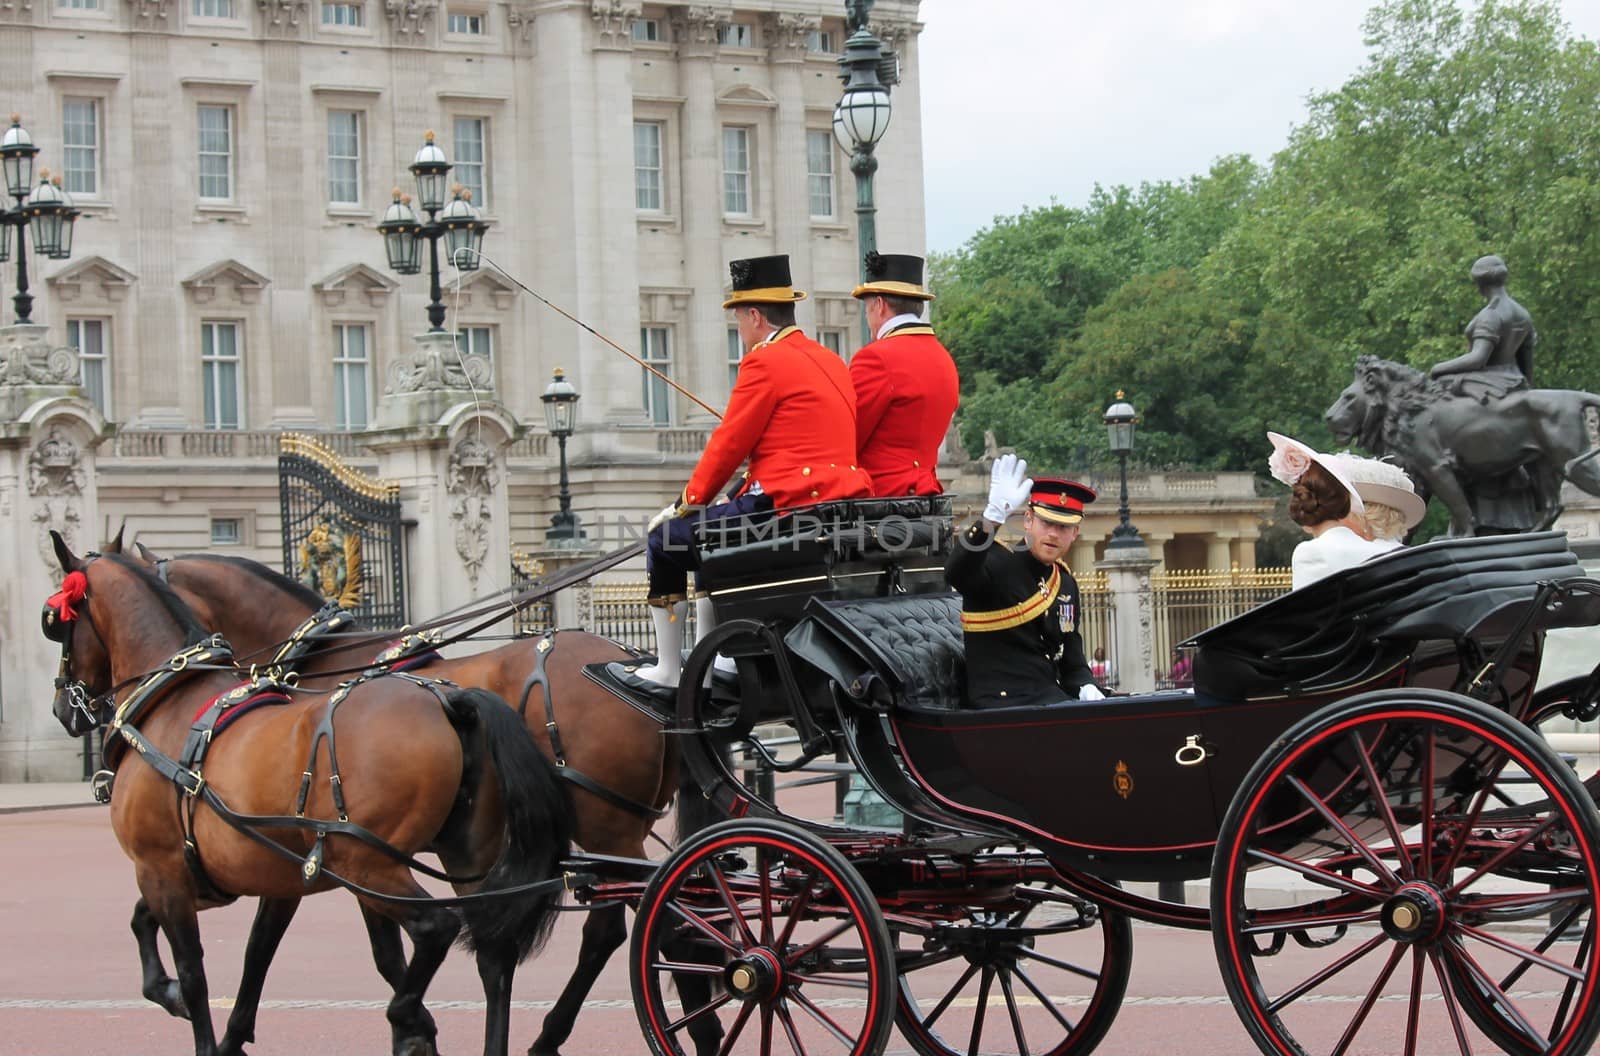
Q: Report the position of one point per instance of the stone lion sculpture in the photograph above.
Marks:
(1488, 465)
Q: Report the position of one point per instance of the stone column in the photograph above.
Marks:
(1132, 616)
(47, 483)
(160, 309)
(443, 440)
(288, 399)
(791, 206)
(1219, 551)
(703, 343)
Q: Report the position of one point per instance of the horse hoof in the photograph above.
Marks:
(416, 1047)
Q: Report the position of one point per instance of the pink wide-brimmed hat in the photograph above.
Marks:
(1290, 459)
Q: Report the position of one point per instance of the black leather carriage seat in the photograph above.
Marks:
(906, 649)
(1363, 620)
(852, 549)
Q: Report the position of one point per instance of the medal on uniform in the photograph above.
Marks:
(1064, 614)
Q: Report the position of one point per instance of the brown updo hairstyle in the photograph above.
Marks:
(1317, 497)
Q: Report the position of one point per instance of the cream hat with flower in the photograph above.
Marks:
(1290, 459)
(1384, 482)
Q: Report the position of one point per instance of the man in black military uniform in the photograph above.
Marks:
(1020, 608)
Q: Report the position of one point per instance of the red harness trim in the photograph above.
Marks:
(233, 711)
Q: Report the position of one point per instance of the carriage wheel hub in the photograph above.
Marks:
(755, 976)
(1414, 913)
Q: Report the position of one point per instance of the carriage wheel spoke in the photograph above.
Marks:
(1016, 1015)
(1382, 802)
(1425, 854)
(1367, 1002)
(832, 933)
(720, 882)
(705, 1009)
(766, 1030)
(1306, 985)
(1303, 922)
(685, 968)
(822, 1017)
(1065, 966)
(1467, 963)
(1414, 1013)
(979, 1011)
(1044, 999)
(694, 921)
(833, 980)
(1556, 931)
(1505, 852)
(1572, 984)
(766, 895)
(736, 1028)
(1553, 897)
(1521, 951)
(1321, 876)
(789, 1032)
(1450, 1004)
(950, 995)
(1356, 842)
(802, 902)
(1466, 825)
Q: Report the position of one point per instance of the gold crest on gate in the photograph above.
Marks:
(1122, 780)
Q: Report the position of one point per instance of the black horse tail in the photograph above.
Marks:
(539, 822)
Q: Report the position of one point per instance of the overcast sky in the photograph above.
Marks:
(1023, 100)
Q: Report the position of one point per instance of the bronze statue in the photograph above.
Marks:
(1500, 341)
(856, 12)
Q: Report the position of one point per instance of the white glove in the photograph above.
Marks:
(1090, 691)
(1009, 488)
(661, 518)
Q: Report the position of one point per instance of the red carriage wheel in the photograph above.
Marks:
(774, 943)
(1036, 972)
(1410, 872)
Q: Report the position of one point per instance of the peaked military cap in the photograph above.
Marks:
(893, 275)
(1058, 500)
(762, 280)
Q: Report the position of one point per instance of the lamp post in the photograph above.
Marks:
(458, 222)
(45, 208)
(860, 119)
(1120, 418)
(560, 401)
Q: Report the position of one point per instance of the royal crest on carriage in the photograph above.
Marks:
(1122, 780)
(330, 563)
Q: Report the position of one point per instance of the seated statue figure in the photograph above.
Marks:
(1500, 341)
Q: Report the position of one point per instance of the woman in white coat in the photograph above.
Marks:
(1326, 504)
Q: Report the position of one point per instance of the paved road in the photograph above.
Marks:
(69, 980)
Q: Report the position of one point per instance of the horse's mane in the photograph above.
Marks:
(299, 591)
(180, 613)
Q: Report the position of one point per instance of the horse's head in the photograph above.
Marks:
(1357, 415)
(83, 681)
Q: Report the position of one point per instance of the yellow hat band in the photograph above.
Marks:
(892, 289)
(1054, 516)
(765, 295)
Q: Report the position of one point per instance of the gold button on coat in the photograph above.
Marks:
(806, 472)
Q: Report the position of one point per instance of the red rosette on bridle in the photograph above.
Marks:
(73, 590)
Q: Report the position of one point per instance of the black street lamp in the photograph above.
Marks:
(868, 71)
(458, 223)
(45, 209)
(1120, 418)
(560, 401)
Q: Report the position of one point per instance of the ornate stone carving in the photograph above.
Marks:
(695, 26)
(613, 20)
(56, 479)
(437, 365)
(472, 478)
(410, 16)
(893, 34)
(788, 35)
(283, 16)
(151, 10)
(520, 16)
(27, 359)
(17, 10)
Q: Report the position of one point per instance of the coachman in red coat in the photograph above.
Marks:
(792, 416)
(905, 381)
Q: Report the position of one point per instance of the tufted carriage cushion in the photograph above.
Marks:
(911, 641)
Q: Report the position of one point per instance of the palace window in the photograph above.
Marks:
(352, 359)
(654, 340)
(735, 356)
(212, 8)
(820, 41)
(832, 340)
(78, 5)
(471, 158)
(88, 336)
(468, 23)
(647, 195)
(216, 153)
(227, 531)
(80, 141)
(819, 173)
(220, 377)
(736, 171)
(736, 35)
(341, 14)
(647, 30)
(344, 157)
(476, 340)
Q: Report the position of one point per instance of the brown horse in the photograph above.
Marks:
(603, 741)
(130, 642)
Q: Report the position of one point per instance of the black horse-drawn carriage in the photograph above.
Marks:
(1357, 772)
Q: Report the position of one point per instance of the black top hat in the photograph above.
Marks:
(762, 280)
(1059, 500)
(894, 275)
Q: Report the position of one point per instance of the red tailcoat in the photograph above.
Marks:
(906, 394)
(793, 415)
